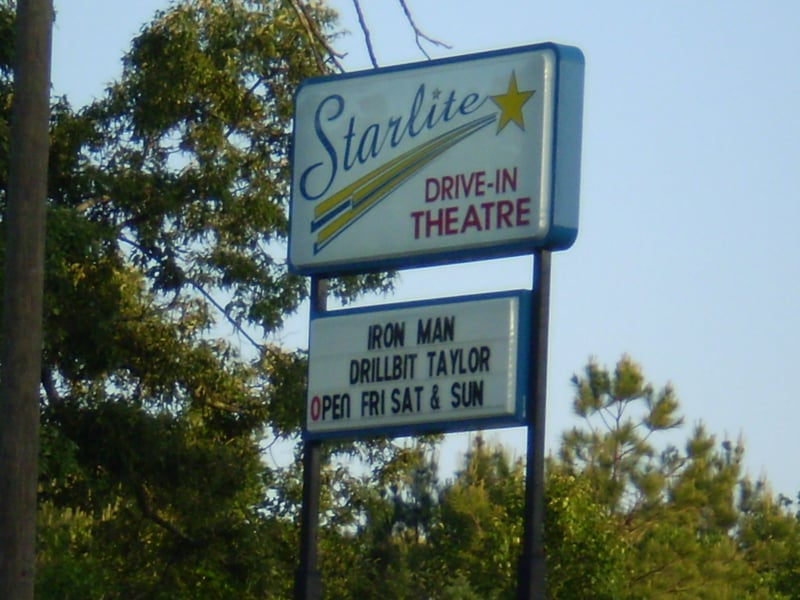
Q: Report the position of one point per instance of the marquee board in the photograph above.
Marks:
(443, 365)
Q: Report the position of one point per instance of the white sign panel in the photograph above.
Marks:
(444, 365)
(437, 161)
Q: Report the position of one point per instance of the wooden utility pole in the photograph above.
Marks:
(21, 356)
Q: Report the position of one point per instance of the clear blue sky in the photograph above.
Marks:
(687, 256)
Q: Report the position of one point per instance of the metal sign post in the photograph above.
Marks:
(308, 585)
(531, 576)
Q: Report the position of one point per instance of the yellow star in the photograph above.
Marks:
(511, 104)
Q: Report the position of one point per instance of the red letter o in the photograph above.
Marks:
(315, 408)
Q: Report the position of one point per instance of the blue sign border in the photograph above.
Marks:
(519, 417)
(564, 175)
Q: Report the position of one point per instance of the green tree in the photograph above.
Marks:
(684, 523)
(628, 514)
(614, 450)
(167, 215)
(769, 537)
(586, 550)
(477, 538)
(382, 517)
(460, 538)
(676, 509)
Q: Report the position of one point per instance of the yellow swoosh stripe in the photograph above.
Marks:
(350, 203)
(332, 203)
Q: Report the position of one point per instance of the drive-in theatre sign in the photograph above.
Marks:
(437, 161)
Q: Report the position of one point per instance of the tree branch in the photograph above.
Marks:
(418, 34)
(367, 36)
(314, 34)
(203, 292)
(149, 513)
(49, 386)
(91, 202)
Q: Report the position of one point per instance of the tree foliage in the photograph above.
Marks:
(676, 509)
(631, 512)
(167, 219)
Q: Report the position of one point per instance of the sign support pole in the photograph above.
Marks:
(531, 574)
(308, 585)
